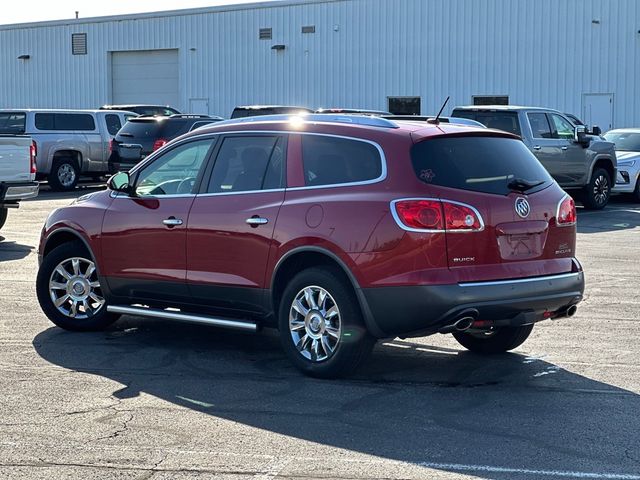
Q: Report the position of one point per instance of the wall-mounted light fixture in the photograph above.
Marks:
(595, 21)
(24, 57)
(278, 47)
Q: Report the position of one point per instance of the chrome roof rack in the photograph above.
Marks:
(316, 118)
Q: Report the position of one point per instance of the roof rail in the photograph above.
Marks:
(317, 118)
(188, 115)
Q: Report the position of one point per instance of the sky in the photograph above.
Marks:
(40, 10)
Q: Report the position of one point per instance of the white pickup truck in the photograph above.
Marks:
(17, 172)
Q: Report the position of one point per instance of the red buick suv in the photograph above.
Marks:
(336, 230)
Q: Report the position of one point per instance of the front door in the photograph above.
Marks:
(144, 235)
(231, 223)
(574, 158)
(548, 149)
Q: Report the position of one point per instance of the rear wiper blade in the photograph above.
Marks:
(126, 134)
(522, 185)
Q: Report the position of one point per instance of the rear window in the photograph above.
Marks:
(12, 123)
(505, 121)
(65, 121)
(479, 164)
(141, 128)
(333, 160)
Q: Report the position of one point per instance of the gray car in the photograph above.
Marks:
(627, 141)
(70, 143)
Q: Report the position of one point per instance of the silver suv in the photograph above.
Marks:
(70, 143)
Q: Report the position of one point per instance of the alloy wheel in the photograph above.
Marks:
(601, 190)
(74, 288)
(66, 175)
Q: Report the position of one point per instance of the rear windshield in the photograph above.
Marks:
(12, 123)
(479, 164)
(505, 121)
(151, 128)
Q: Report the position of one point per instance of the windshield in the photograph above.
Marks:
(627, 141)
(12, 123)
(480, 164)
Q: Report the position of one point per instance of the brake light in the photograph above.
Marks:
(111, 146)
(433, 215)
(161, 142)
(420, 214)
(33, 153)
(566, 214)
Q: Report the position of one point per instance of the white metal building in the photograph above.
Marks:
(579, 56)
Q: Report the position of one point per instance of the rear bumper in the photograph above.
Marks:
(425, 309)
(14, 192)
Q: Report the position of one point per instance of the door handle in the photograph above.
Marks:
(172, 222)
(537, 147)
(256, 220)
(565, 147)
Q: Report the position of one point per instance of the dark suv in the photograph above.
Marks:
(337, 231)
(160, 110)
(141, 136)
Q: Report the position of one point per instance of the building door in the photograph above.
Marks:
(199, 106)
(597, 109)
(145, 77)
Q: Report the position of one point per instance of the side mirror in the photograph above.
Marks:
(119, 182)
(596, 130)
(580, 135)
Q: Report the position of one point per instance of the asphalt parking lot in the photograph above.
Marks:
(154, 399)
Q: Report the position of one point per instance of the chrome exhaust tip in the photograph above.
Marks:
(464, 323)
(571, 311)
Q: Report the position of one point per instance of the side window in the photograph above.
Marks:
(247, 163)
(44, 121)
(562, 128)
(113, 123)
(332, 160)
(175, 172)
(539, 125)
(74, 121)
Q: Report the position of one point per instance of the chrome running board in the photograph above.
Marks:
(184, 317)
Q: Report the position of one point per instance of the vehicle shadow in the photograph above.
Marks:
(437, 407)
(46, 194)
(13, 251)
(619, 215)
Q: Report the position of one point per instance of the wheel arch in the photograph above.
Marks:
(606, 162)
(64, 235)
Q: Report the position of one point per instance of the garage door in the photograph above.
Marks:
(145, 76)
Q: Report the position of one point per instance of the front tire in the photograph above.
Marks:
(64, 174)
(3, 216)
(598, 191)
(498, 340)
(69, 292)
(321, 326)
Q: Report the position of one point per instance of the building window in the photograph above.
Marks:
(79, 43)
(265, 34)
(491, 100)
(309, 29)
(404, 105)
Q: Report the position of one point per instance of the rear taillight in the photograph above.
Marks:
(433, 215)
(161, 142)
(111, 146)
(33, 153)
(567, 214)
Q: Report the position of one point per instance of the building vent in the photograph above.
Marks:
(265, 34)
(79, 43)
(309, 29)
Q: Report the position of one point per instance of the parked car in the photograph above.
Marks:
(357, 111)
(161, 110)
(70, 143)
(432, 119)
(578, 161)
(627, 142)
(143, 135)
(304, 225)
(259, 110)
(17, 165)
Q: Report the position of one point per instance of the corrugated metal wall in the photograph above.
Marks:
(543, 52)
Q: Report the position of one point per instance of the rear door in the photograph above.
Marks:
(515, 234)
(231, 223)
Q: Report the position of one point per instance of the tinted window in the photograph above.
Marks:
(562, 128)
(140, 128)
(65, 121)
(113, 123)
(505, 121)
(480, 164)
(332, 160)
(248, 163)
(404, 105)
(540, 127)
(491, 100)
(627, 141)
(174, 172)
(12, 123)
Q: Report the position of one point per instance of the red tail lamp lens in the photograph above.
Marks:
(460, 217)
(567, 214)
(420, 214)
(33, 152)
(161, 142)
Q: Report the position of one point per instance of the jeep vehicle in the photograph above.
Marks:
(337, 231)
(70, 143)
(578, 161)
(144, 135)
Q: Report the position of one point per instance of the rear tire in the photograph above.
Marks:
(321, 326)
(67, 276)
(598, 191)
(499, 340)
(3, 216)
(64, 174)
(636, 192)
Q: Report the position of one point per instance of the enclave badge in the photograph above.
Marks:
(523, 209)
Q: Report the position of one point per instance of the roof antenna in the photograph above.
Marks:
(436, 120)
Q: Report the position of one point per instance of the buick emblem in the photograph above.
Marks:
(523, 209)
